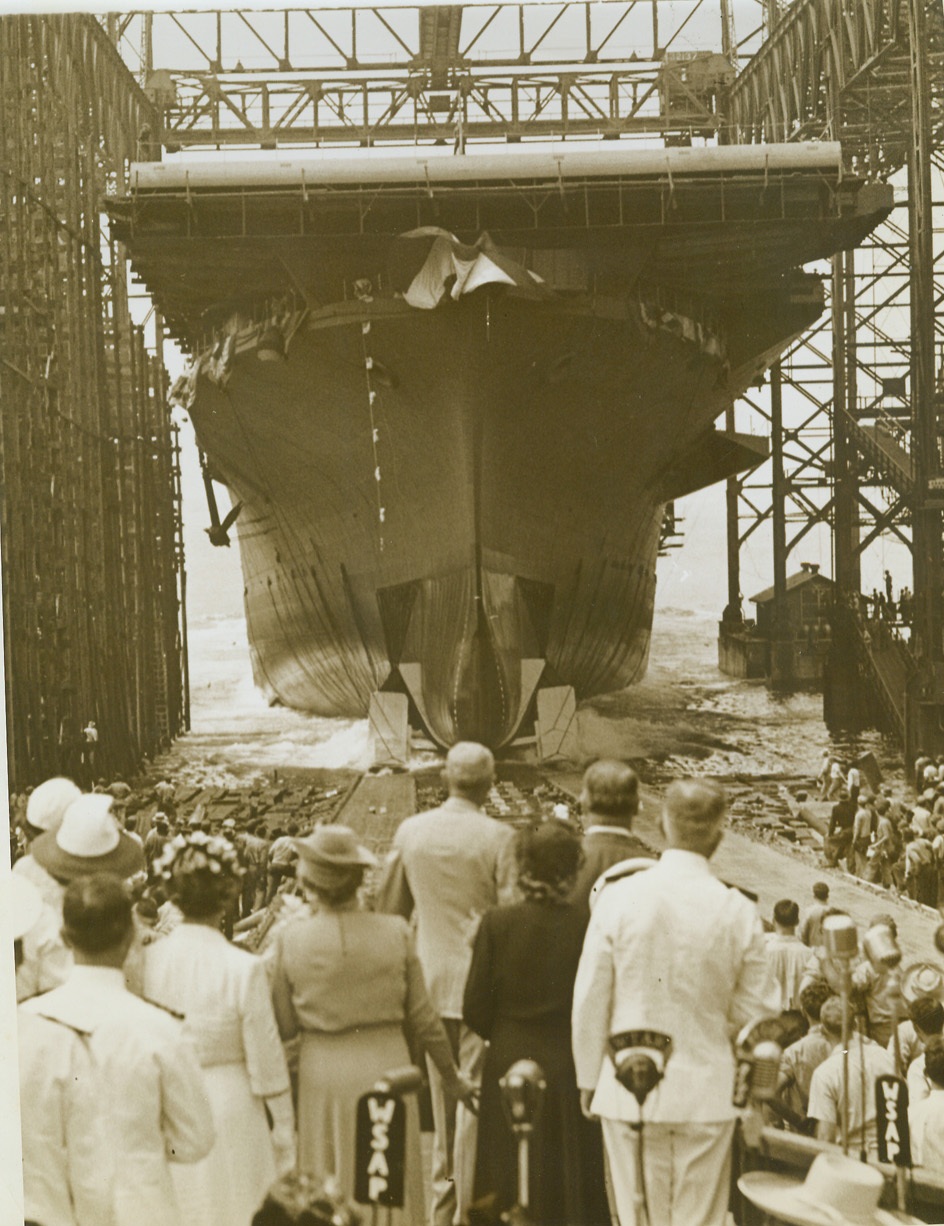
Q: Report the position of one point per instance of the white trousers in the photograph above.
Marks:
(455, 1130)
(687, 1172)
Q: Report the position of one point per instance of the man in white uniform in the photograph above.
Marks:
(449, 865)
(148, 1102)
(676, 951)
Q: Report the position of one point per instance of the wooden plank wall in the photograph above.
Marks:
(92, 560)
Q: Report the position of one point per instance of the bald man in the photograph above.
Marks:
(448, 866)
(609, 800)
(676, 951)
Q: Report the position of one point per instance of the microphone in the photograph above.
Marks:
(765, 1071)
(881, 948)
(758, 1062)
(399, 1081)
(639, 1060)
(840, 937)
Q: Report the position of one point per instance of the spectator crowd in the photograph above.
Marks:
(203, 1003)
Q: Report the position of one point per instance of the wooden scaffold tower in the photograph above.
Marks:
(92, 557)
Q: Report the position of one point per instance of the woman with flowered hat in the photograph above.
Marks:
(222, 993)
(349, 984)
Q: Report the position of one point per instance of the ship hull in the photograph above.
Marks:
(457, 503)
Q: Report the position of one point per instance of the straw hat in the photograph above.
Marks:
(88, 841)
(335, 847)
(922, 979)
(26, 905)
(837, 1191)
(48, 802)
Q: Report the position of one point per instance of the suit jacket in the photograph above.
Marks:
(141, 1068)
(448, 866)
(603, 846)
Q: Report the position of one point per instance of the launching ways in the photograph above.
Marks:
(555, 730)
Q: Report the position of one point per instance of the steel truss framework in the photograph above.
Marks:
(442, 74)
(869, 72)
(92, 552)
(862, 451)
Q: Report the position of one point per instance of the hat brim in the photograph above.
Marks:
(361, 858)
(124, 860)
(782, 1196)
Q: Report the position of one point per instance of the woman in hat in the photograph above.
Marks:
(85, 840)
(349, 984)
(223, 994)
(518, 996)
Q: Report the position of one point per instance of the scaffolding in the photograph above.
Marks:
(862, 453)
(92, 558)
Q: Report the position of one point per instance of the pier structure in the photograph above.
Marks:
(92, 555)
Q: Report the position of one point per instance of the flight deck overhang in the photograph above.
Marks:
(225, 235)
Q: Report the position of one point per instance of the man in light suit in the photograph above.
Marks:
(673, 950)
(447, 867)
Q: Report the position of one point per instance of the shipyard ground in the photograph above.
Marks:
(754, 854)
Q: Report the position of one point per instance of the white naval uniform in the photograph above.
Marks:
(674, 950)
(148, 1100)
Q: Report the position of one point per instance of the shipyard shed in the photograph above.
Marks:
(745, 647)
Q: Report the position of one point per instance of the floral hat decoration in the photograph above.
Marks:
(196, 854)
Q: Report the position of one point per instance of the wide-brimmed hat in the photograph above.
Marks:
(88, 841)
(922, 979)
(48, 802)
(26, 905)
(837, 1191)
(335, 847)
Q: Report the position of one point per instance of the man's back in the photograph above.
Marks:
(61, 1179)
(455, 863)
(811, 928)
(685, 956)
(867, 1060)
(604, 846)
(140, 1067)
(787, 957)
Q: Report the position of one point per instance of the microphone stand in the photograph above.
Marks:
(841, 945)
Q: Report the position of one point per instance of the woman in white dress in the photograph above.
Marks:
(222, 993)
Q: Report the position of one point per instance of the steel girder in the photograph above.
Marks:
(367, 76)
(841, 69)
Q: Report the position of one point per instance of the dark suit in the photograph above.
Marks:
(603, 846)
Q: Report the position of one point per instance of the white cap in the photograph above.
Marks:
(47, 803)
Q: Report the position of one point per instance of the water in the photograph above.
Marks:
(685, 718)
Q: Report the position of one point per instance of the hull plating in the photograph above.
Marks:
(454, 502)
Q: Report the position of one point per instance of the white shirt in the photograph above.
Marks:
(926, 1120)
(675, 950)
(826, 1089)
(787, 957)
(157, 1110)
(918, 1085)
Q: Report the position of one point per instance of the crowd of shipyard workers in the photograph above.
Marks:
(885, 838)
(200, 1011)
